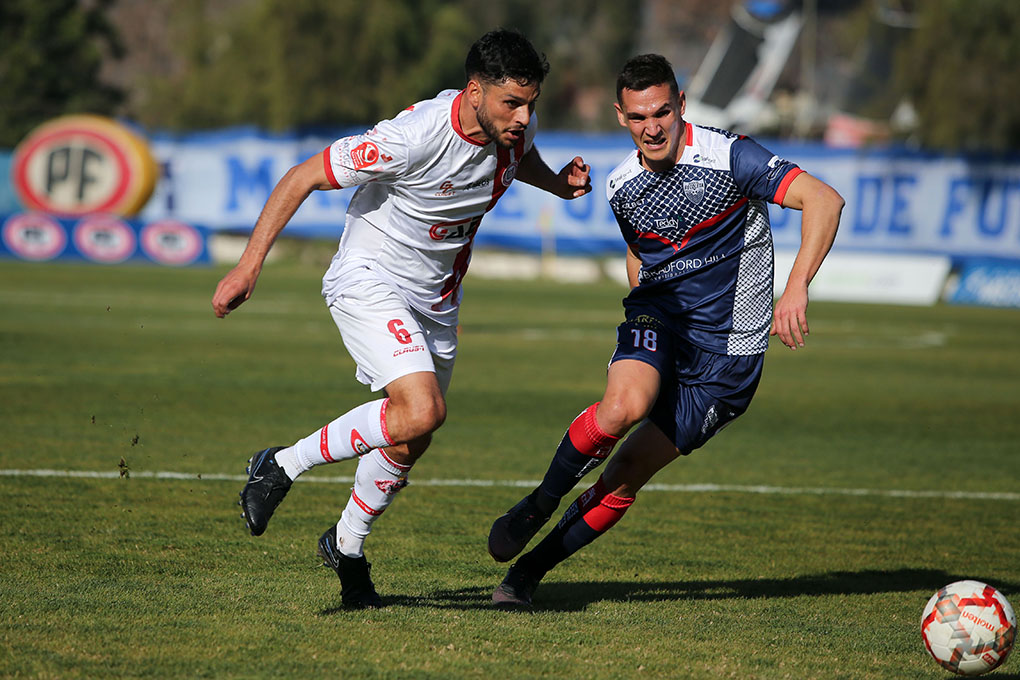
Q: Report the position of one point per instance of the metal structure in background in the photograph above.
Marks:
(733, 85)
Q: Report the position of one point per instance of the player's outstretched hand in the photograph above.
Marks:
(790, 319)
(578, 178)
(232, 290)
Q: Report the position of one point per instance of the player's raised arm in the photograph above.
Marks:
(287, 196)
(821, 206)
(571, 182)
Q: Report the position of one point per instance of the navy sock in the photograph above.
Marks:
(591, 515)
(582, 449)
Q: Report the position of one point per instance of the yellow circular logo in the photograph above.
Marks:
(82, 164)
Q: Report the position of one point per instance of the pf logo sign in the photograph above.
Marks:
(76, 165)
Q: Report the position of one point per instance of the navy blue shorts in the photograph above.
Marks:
(701, 392)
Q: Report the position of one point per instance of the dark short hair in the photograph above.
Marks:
(505, 54)
(645, 71)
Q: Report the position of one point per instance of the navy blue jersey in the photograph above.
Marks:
(702, 232)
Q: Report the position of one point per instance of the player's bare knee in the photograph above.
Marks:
(436, 415)
(617, 415)
(426, 417)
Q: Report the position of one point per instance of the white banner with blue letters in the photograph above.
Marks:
(897, 201)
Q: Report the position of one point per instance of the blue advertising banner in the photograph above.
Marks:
(8, 200)
(992, 283)
(898, 201)
(103, 239)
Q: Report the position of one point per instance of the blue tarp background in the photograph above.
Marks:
(898, 201)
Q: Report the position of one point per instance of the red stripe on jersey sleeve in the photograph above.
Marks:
(328, 167)
(784, 186)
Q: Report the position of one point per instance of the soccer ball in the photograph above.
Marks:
(968, 627)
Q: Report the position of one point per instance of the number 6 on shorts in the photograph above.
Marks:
(396, 326)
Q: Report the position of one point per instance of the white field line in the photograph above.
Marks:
(529, 483)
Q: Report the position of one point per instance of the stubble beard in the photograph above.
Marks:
(489, 128)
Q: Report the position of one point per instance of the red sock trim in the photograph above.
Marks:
(617, 502)
(587, 437)
(365, 506)
(608, 512)
(324, 445)
(393, 462)
(382, 421)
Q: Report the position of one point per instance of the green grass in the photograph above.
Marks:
(145, 577)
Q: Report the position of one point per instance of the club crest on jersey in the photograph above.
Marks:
(509, 174)
(364, 155)
(694, 190)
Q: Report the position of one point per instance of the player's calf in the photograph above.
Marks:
(353, 434)
(377, 481)
(593, 513)
(584, 447)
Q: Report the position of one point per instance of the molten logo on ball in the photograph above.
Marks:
(968, 627)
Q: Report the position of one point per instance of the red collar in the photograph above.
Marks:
(455, 121)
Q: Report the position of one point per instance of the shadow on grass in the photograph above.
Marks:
(566, 597)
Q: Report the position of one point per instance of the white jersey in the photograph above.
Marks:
(425, 186)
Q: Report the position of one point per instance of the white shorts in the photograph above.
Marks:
(386, 337)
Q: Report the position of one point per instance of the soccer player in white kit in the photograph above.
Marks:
(426, 178)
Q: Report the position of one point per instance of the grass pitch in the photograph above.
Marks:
(874, 466)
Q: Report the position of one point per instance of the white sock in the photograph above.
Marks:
(355, 433)
(376, 482)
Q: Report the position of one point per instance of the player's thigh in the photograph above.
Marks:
(382, 335)
(643, 353)
(418, 393)
(707, 392)
(442, 344)
(632, 386)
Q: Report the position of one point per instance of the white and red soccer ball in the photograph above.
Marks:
(968, 627)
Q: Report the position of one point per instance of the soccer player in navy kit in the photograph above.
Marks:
(691, 206)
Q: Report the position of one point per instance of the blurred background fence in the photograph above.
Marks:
(904, 107)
